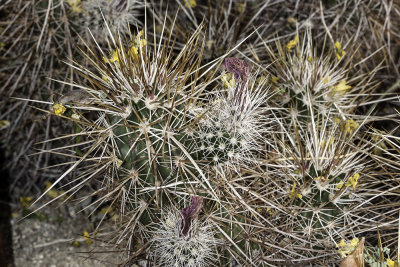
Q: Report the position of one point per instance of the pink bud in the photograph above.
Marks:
(190, 213)
(238, 67)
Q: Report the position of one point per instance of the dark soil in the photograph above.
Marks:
(6, 251)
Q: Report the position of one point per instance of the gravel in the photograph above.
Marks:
(53, 237)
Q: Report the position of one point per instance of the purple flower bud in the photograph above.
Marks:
(238, 67)
(190, 213)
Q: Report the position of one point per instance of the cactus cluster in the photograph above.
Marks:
(162, 132)
(159, 130)
(231, 131)
(253, 148)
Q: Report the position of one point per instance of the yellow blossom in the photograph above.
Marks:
(114, 56)
(341, 244)
(253, 214)
(262, 79)
(190, 3)
(53, 193)
(330, 142)
(341, 87)
(390, 263)
(76, 5)
(228, 80)
(59, 109)
(241, 7)
(210, 44)
(347, 248)
(4, 124)
(353, 181)
(292, 43)
(337, 120)
(339, 51)
(309, 59)
(321, 178)
(106, 210)
(105, 78)
(138, 42)
(378, 141)
(76, 9)
(74, 2)
(25, 201)
(340, 185)
(134, 51)
(293, 191)
(350, 126)
(118, 163)
(143, 43)
(292, 21)
(326, 80)
(139, 39)
(338, 45)
(87, 238)
(354, 242)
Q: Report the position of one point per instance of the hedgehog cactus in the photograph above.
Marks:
(120, 14)
(142, 98)
(323, 174)
(321, 157)
(309, 82)
(182, 239)
(231, 131)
